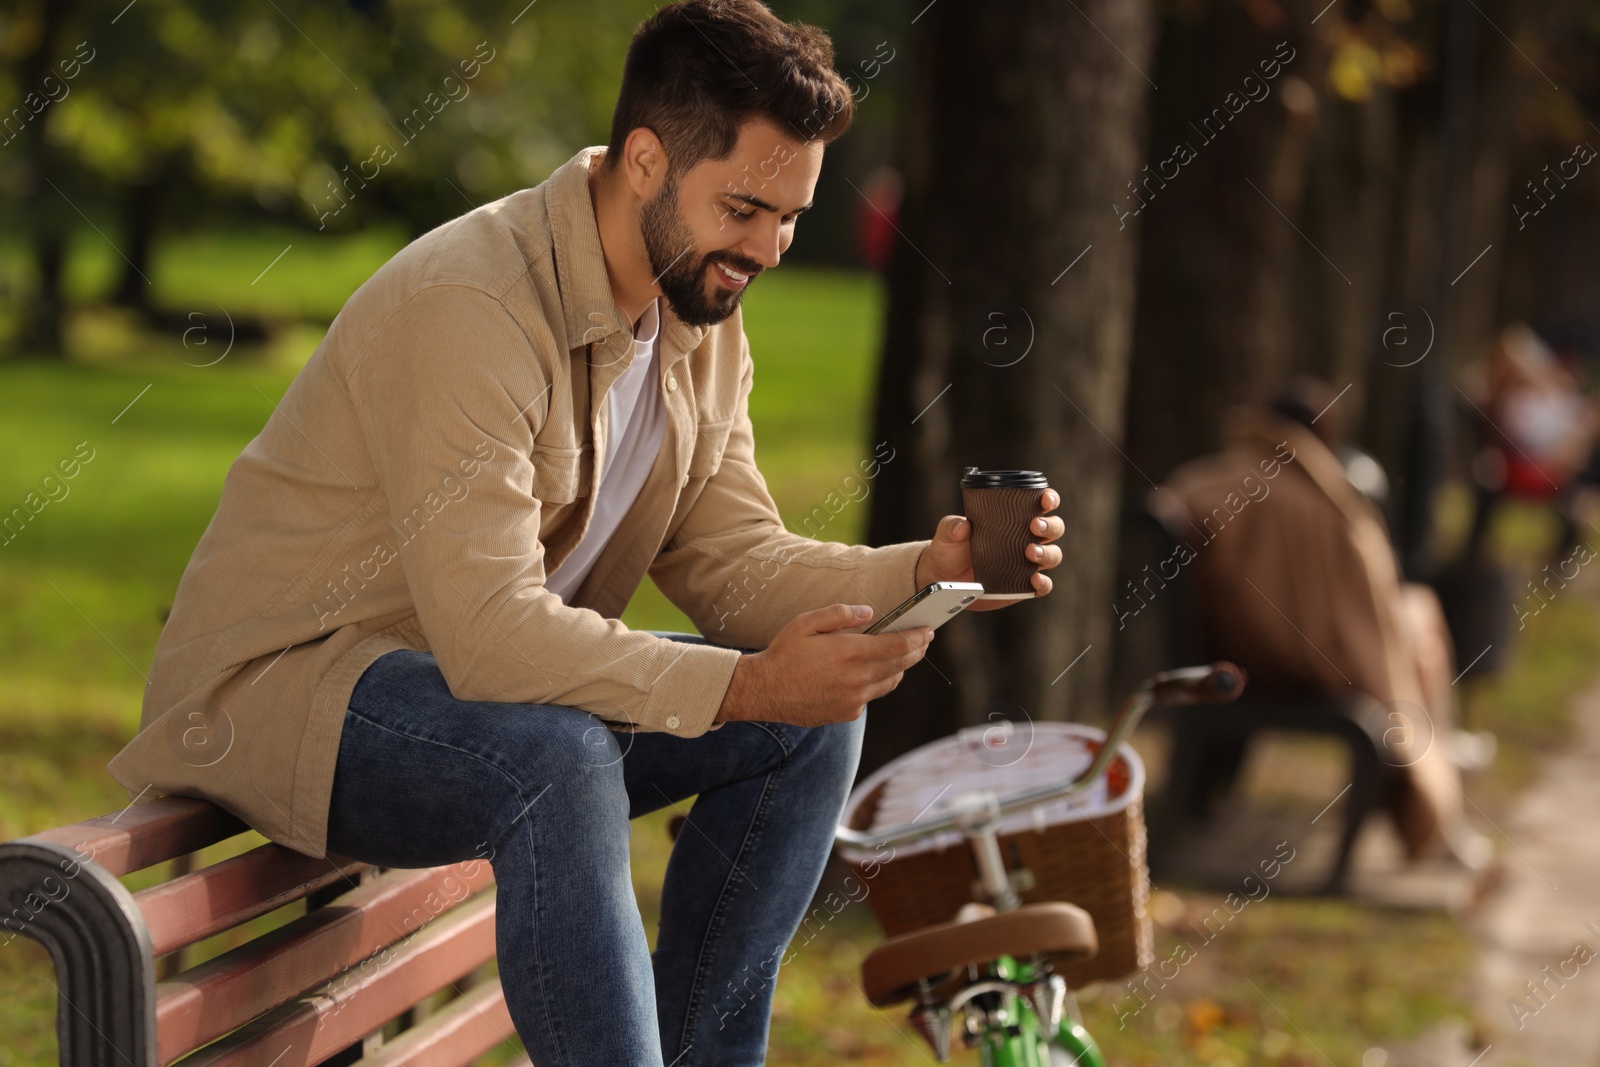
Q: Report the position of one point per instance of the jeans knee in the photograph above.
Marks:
(833, 751)
(567, 759)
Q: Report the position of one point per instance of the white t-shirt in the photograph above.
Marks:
(638, 419)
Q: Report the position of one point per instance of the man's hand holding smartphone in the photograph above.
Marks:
(812, 675)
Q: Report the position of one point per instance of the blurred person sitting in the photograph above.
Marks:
(1536, 431)
(1299, 585)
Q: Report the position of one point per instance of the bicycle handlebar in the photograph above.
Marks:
(1218, 683)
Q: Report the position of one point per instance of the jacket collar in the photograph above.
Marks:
(590, 311)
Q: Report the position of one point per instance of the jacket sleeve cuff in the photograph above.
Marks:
(687, 694)
(890, 579)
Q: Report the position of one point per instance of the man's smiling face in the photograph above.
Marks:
(712, 230)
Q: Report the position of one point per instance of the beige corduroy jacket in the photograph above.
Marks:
(430, 464)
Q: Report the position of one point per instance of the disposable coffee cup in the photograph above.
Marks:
(1001, 505)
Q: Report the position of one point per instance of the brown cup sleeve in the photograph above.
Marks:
(1000, 536)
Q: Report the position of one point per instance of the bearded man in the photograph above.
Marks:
(403, 619)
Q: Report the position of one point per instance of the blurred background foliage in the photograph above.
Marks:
(171, 117)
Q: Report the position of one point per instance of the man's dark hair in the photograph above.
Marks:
(696, 70)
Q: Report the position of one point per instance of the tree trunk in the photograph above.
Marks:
(1447, 259)
(141, 220)
(1404, 334)
(46, 209)
(1214, 325)
(1010, 300)
(1232, 133)
(1337, 328)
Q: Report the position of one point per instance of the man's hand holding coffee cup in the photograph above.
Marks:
(812, 673)
(949, 558)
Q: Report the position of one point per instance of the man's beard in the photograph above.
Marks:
(679, 271)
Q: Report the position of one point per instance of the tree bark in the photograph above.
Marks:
(1010, 303)
(1214, 325)
(1406, 266)
(1218, 199)
(1337, 327)
(1448, 257)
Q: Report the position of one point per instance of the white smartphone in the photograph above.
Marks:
(932, 605)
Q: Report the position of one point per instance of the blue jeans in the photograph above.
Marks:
(545, 793)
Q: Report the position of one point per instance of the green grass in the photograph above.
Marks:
(1528, 706)
(239, 271)
(88, 579)
(1302, 980)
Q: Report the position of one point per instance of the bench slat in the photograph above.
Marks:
(310, 1030)
(145, 834)
(457, 1034)
(220, 897)
(207, 1001)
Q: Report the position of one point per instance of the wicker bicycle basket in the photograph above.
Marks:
(1089, 851)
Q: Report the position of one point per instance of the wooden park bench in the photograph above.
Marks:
(372, 946)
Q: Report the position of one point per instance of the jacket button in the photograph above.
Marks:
(672, 722)
(672, 385)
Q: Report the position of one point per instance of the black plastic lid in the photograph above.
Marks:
(977, 479)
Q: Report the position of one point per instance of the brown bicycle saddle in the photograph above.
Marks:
(979, 934)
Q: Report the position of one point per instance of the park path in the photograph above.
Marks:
(1547, 906)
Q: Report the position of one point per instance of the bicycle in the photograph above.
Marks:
(997, 961)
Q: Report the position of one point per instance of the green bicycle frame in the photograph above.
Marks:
(1025, 1042)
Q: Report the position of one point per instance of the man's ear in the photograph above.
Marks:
(644, 163)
